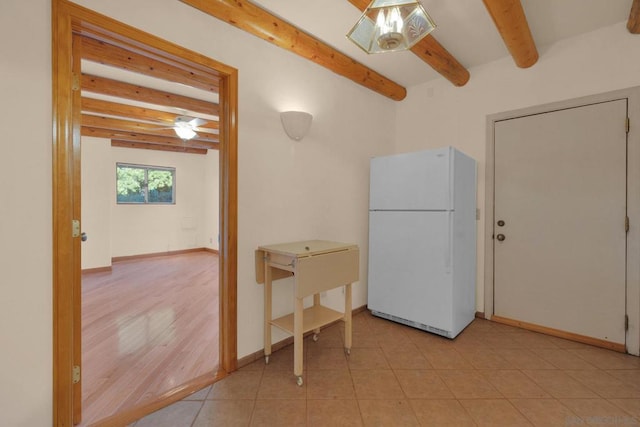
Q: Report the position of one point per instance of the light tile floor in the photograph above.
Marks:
(490, 375)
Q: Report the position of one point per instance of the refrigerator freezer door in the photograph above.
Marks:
(410, 266)
(412, 181)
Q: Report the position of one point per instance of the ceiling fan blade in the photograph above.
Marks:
(191, 121)
(196, 122)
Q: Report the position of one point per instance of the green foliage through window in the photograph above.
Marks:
(145, 184)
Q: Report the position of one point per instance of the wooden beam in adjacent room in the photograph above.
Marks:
(120, 89)
(141, 137)
(511, 22)
(99, 106)
(110, 123)
(253, 19)
(433, 53)
(633, 24)
(144, 49)
(107, 54)
(157, 147)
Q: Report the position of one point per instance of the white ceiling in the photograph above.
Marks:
(464, 28)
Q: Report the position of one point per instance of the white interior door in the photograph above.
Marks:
(560, 193)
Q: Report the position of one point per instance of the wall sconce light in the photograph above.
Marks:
(296, 123)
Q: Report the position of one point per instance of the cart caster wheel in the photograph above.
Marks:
(299, 381)
(266, 360)
(315, 337)
(347, 351)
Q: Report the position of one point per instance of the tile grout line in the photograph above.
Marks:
(353, 384)
(200, 410)
(255, 397)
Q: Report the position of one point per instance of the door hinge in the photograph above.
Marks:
(626, 224)
(76, 374)
(626, 322)
(75, 83)
(627, 124)
(75, 228)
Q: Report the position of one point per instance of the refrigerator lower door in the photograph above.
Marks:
(410, 268)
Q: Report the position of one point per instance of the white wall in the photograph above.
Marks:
(97, 184)
(145, 229)
(123, 230)
(288, 190)
(210, 197)
(25, 214)
(436, 114)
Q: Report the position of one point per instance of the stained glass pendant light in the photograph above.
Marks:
(391, 26)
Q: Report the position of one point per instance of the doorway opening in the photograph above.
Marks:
(72, 21)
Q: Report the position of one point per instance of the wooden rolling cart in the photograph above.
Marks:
(317, 266)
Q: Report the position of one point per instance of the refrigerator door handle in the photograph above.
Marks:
(449, 253)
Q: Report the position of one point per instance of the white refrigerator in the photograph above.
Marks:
(422, 240)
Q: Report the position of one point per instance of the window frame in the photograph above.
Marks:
(145, 190)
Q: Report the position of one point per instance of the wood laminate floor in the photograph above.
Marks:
(148, 326)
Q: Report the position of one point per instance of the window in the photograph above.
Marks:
(137, 184)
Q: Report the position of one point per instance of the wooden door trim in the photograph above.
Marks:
(632, 95)
(620, 348)
(76, 182)
(68, 18)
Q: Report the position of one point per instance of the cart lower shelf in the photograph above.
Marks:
(312, 318)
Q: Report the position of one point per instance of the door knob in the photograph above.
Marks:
(83, 236)
(500, 237)
(501, 223)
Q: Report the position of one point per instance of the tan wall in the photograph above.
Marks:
(25, 215)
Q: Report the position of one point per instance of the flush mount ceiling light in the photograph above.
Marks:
(296, 123)
(391, 26)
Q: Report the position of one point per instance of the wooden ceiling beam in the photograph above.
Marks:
(433, 53)
(120, 89)
(157, 147)
(89, 30)
(120, 125)
(145, 138)
(511, 22)
(633, 24)
(99, 106)
(249, 17)
(108, 54)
